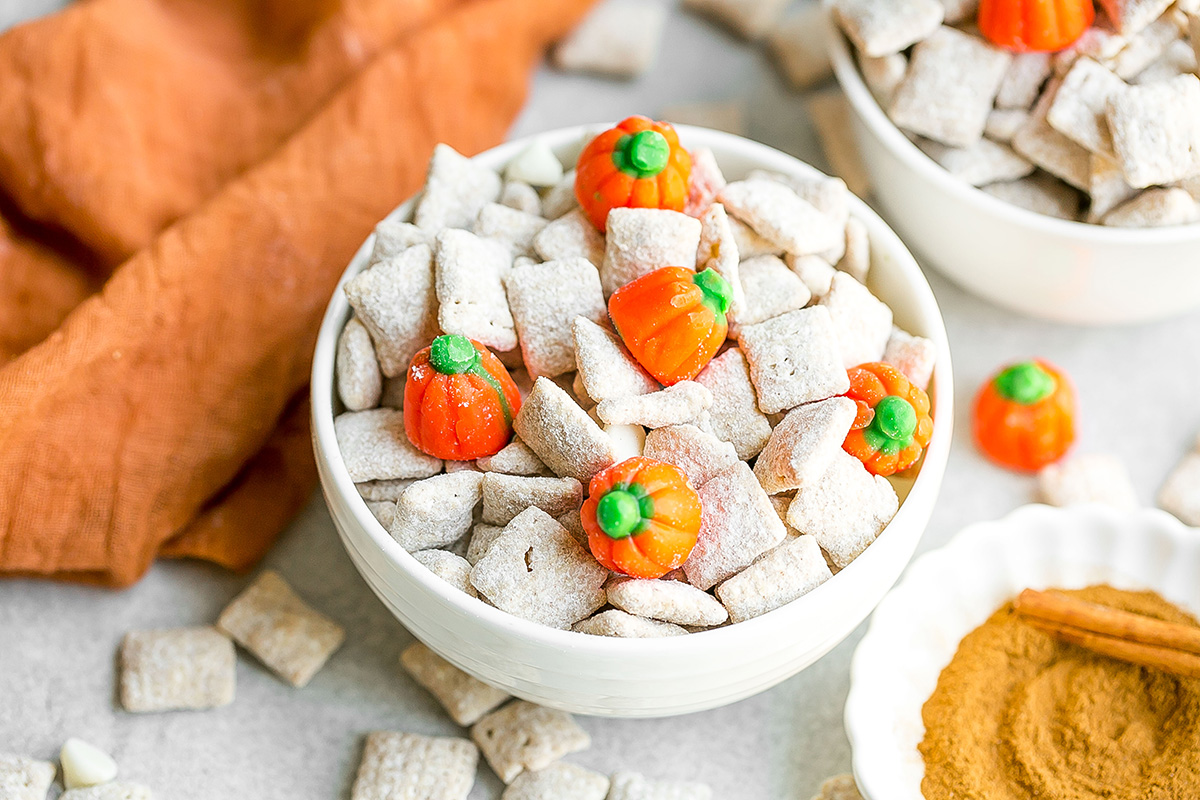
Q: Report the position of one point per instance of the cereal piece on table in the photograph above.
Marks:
(1049, 149)
(1156, 131)
(1156, 208)
(557, 782)
(23, 778)
(619, 38)
(705, 183)
(718, 251)
(734, 416)
(388, 490)
(752, 19)
(641, 240)
(396, 302)
(536, 165)
(791, 570)
(505, 496)
(739, 525)
(803, 445)
(698, 454)
(883, 75)
(545, 300)
(674, 405)
(522, 736)
(979, 164)
(1180, 494)
(862, 321)
(436, 511)
(375, 447)
(396, 765)
(914, 356)
(668, 601)
(571, 236)
(831, 116)
(516, 458)
(522, 197)
(177, 668)
(538, 571)
(1092, 478)
(514, 228)
(779, 215)
(564, 437)
(359, 381)
(456, 190)
(119, 790)
(482, 536)
(798, 43)
(280, 629)
(882, 27)
(816, 272)
(465, 698)
(450, 567)
(795, 358)
(770, 289)
(384, 511)
(1149, 44)
(1039, 193)
(470, 289)
(1131, 16)
(633, 786)
(393, 237)
(720, 115)
(622, 625)
(840, 787)
(1003, 124)
(857, 260)
(1023, 81)
(1078, 109)
(951, 84)
(749, 244)
(845, 510)
(560, 198)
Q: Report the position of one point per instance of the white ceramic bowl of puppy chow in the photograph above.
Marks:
(1039, 265)
(643, 677)
(949, 592)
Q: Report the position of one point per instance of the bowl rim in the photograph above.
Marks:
(868, 109)
(928, 480)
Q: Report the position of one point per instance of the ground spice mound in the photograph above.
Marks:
(1019, 715)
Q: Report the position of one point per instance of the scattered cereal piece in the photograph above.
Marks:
(1023, 81)
(798, 44)
(628, 441)
(545, 300)
(379, 491)
(482, 537)
(437, 511)
(1156, 131)
(557, 782)
(698, 454)
(505, 496)
(465, 698)
(803, 445)
(1048, 148)
(979, 164)
(952, 81)
(720, 115)
(862, 322)
(23, 778)
(450, 567)
(537, 570)
(779, 215)
(571, 236)
(176, 668)
(882, 27)
(739, 525)
(674, 405)
(536, 165)
(1180, 494)
(121, 790)
(841, 787)
(522, 197)
(1156, 208)
(561, 433)
(705, 183)
(605, 365)
(516, 458)
(641, 240)
(375, 447)
(396, 765)
(1131, 16)
(1077, 111)
(560, 198)
(523, 737)
(618, 38)
(752, 19)
(718, 251)
(456, 190)
(844, 511)
(1039, 193)
(395, 300)
(831, 116)
(470, 289)
(84, 765)
(516, 229)
(359, 382)
(857, 260)
(1003, 124)
(883, 75)
(770, 289)
(393, 237)
(280, 629)
(734, 415)
(667, 600)
(816, 272)
(912, 355)
(384, 511)
(1093, 478)
(621, 625)
(789, 571)
(632, 786)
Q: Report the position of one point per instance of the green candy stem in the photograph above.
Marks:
(891, 430)
(717, 291)
(619, 513)
(453, 354)
(642, 155)
(1025, 383)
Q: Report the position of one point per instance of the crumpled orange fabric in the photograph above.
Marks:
(181, 184)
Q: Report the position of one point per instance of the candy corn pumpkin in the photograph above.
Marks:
(1024, 416)
(672, 320)
(1035, 25)
(637, 164)
(642, 517)
(459, 400)
(893, 425)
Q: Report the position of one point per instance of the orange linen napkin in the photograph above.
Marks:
(164, 415)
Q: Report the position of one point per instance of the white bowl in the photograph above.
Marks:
(1042, 266)
(947, 593)
(647, 677)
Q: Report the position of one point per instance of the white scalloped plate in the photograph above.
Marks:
(949, 592)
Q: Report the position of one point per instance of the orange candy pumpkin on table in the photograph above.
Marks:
(1035, 25)
(1024, 416)
(893, 425)
(459, 400)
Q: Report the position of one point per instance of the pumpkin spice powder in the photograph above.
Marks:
(1019, 715)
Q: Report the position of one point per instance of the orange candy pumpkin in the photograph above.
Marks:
(459, 400)
(893, 425)
(1035, 25)
(637, 164)
(642, 517)
(1024, 416)
(672, 320)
